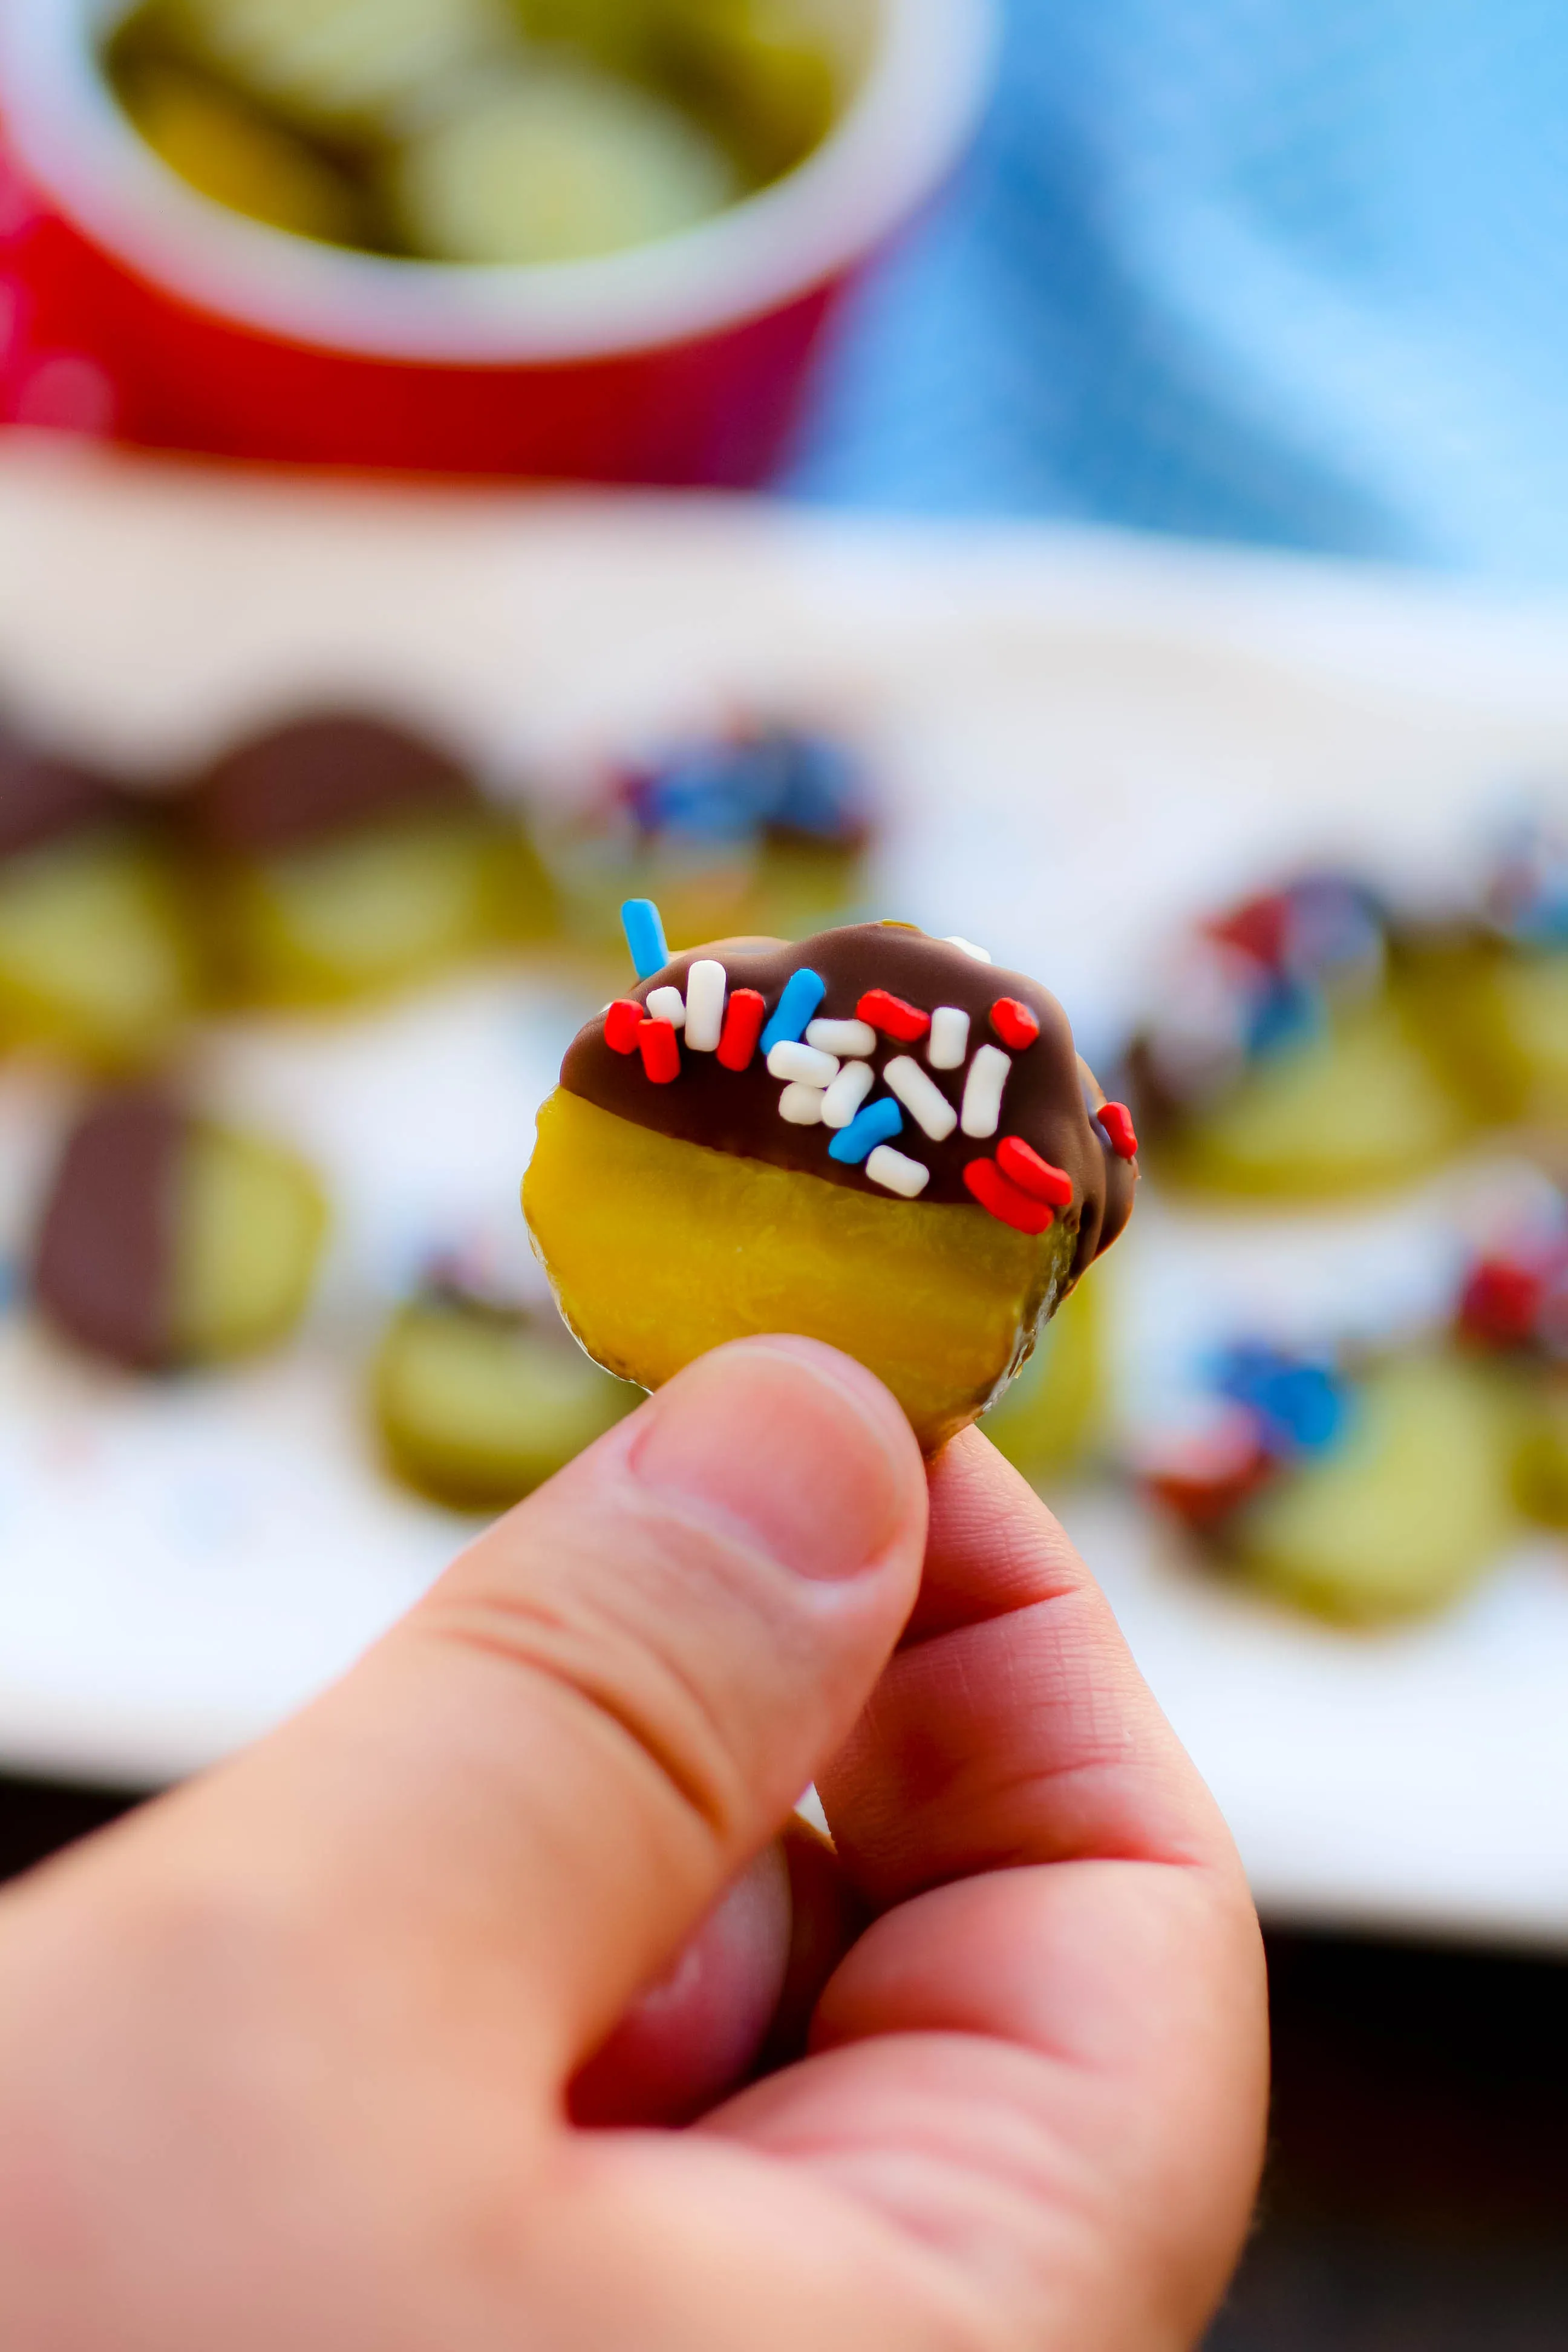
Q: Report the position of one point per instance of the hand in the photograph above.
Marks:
(284, 2057)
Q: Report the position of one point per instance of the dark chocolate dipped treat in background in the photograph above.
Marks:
(167, 1242)
(348, 857)
(96, 955)
(875, 1137)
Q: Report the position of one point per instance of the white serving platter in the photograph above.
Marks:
(1081, 739)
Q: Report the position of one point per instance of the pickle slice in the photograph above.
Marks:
(1360, 1108)
(96, 954)
(1403, 1514)
(1046, 1423)
(478, 1406)
(250, 1222)
(659, 1250)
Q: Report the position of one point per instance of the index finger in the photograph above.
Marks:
(1013, 1725)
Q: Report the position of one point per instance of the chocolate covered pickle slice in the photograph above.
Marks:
(168, 1242)
(874, 1139)
(348, 857)
(97, 958)
(478, 1404)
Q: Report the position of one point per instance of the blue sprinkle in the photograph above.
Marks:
(878, 1123)
(1305, 1406)
(645, 937)
(804, 992)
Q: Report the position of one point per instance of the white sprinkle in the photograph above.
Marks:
(845, 1037)
(896, 1172)
(921, 1097)
(948, 1038)
(847, 1092)
(705, 985)
(802, 1106)
(981, 955)
(804, 1064)
(668, 1004)
(983, 1091)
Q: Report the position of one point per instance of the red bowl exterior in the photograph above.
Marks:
(87, 345)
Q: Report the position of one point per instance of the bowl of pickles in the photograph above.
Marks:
(590, 239)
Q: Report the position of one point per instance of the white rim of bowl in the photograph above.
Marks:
(928, 77)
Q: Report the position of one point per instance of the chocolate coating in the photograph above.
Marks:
(42, 798)
(103, 1268)
(1048, 1099)
(322, 777)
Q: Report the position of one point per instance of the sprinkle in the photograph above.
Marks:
(742, 1027)
(802, 1104)
(804, 1064)
(1021, 1165)
(878, 1123)
(847, 1092)
(897, 1174)
(845, 1038)
(622, 1021)
(981, 955)
(804, 992)
(1117, 1121)
(645, 936)
(988, 1074)
(660, 1049)
(668, 1004)
(1004, 1200)
(893, 1015)
(1016, 1024)
(705, 985)
(921, 1097)
(948, 1038)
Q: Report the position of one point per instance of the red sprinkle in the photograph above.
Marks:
(743, 1020)
(1016, 1024)
(1502, 1302)
(893, 1016)
(622, 1022)
(1004, 1200)
(1023, 1166)
(660, 1050)
(1117, 1121)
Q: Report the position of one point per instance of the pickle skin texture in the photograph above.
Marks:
(659, 1250)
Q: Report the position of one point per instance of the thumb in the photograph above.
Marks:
(543, 1777)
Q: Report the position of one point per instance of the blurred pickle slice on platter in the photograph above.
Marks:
(1047, 1423)
(250, 1222)
(96, 955)
(479, 1404)
(554, 163)
(1359, 1107)
(1403, 1516)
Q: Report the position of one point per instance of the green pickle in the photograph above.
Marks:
(374, 911)
(1048, 1421)
(477, 1405)
(96, 958)
(1404, 1514)
(250, 1222)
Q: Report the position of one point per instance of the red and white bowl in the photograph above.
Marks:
(132, 306)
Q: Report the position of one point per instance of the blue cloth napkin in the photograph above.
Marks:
(1280, 270)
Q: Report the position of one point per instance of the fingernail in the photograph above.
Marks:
(803, 1454)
